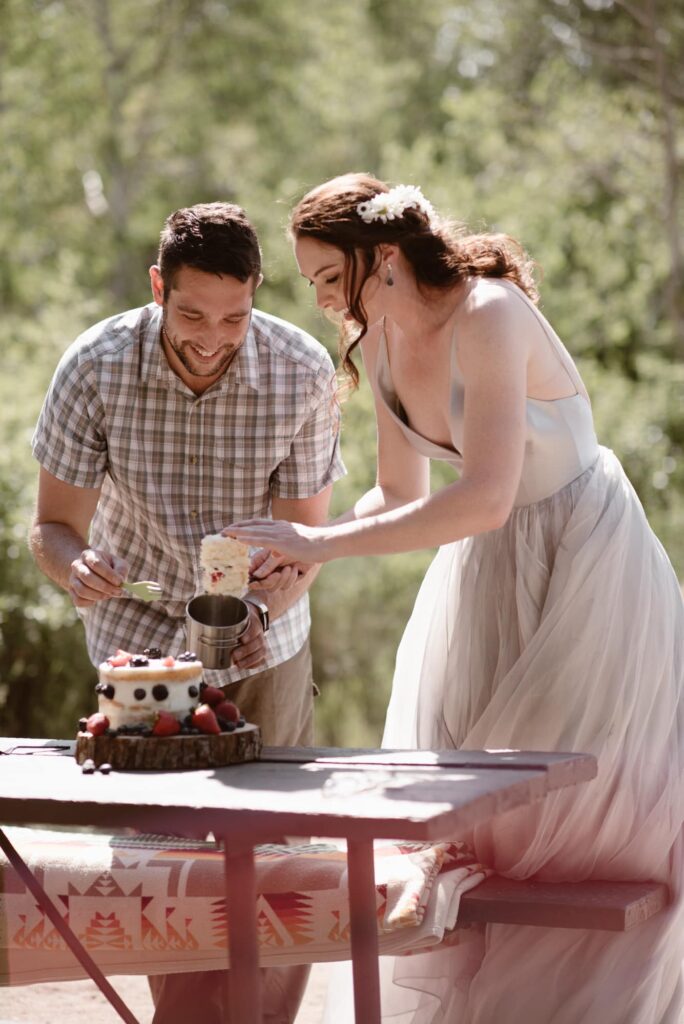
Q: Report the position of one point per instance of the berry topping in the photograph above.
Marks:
(97, 724)
(83, 724)
(139, 661)
(140, 694)
(165, 724)
(160, 692)
(88, 766)
(204, 719)
(105, 690)
(193, 691)
(169, 662)
(119, 659)
(152, 652)
(187, 656)
(227, 710)
(212, 695)
(105, 768)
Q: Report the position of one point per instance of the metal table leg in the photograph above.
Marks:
(72, 941)
(244, 977)
(364, 931)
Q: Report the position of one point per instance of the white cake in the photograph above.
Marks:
(133, 687)
(225, 565)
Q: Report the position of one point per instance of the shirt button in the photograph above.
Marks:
(193, 460)
(194, 514)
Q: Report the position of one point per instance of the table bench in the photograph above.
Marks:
(609, 906)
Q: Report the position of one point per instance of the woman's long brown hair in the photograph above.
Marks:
(441, 254)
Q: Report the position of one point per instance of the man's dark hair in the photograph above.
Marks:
(214, 237)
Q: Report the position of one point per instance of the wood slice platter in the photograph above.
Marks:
(170, 753)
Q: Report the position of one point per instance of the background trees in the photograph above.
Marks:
(559, 121)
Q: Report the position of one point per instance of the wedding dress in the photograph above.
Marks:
(562, 630)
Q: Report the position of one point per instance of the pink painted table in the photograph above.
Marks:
(358, 795)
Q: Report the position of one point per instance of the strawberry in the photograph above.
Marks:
(227, 710)
(97, 724)
(165, 724)
(169, 662)
(212, 696)
(204, 719)
(119, 659)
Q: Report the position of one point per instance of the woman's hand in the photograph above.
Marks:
(296, 542)
(275, 572)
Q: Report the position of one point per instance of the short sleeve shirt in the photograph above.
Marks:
(173, 466)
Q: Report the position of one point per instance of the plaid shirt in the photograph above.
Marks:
(173, 466)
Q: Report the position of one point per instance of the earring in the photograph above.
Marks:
(390, 280)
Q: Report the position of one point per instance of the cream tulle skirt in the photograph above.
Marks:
(563, 630)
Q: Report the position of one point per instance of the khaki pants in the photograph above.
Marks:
(280, 701)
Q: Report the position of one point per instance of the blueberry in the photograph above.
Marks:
(187, 656)
(192, 691)
(152, 652)
(160, 692)
(88, 766)
(105, 768)
(139, 661)
(146, 731)
(106, 690)
(230, 726)
(241, 721)
(82, 723)
(140, 694)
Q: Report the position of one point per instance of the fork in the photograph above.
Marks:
(146, 590)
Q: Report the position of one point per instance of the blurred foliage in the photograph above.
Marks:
(557, 121)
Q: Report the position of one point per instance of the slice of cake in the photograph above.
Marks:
(225, 565)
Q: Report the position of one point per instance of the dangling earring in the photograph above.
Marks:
(390, 280)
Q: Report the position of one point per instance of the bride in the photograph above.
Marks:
(550, 618)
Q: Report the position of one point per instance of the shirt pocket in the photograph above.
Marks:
(259, 456)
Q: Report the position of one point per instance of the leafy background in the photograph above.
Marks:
(558, 121)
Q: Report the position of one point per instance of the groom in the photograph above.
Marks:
(166, 423)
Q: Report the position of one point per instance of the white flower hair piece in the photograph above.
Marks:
(386, 206)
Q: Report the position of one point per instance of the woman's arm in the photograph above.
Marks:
(493, 362)
(402, 473)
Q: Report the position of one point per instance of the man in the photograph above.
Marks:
(166, 423)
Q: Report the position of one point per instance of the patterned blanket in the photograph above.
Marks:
(153, 904)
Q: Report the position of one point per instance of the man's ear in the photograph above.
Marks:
(157, 285)
(259, 280)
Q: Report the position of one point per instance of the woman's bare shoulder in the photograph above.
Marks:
(491, 296)
(493, 320)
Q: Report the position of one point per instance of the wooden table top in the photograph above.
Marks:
(356, 794)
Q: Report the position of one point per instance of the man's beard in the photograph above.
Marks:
(180, 347)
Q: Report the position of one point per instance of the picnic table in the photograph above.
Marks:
(358, 795)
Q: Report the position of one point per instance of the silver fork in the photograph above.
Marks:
(146, 590)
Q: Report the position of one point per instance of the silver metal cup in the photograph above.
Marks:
(214, 624)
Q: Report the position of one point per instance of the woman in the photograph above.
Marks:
(550, 618)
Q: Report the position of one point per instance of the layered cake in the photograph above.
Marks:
(224, 562)
(155, 711)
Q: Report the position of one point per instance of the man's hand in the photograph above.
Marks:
(95, 576)
(251, 651)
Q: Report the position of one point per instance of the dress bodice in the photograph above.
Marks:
(560, 442)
